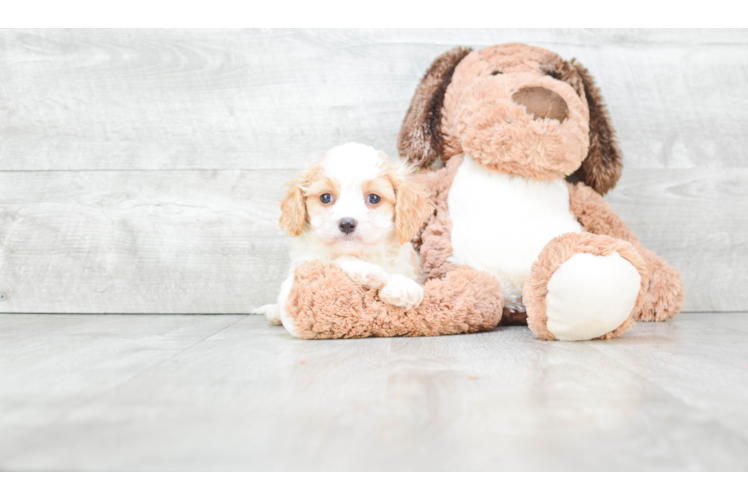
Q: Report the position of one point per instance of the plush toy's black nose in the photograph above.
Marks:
(347, 225)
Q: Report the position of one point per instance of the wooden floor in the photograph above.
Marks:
(100, 392)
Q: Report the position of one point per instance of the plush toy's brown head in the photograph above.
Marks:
(516, 109)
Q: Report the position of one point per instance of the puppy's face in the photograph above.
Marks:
(352, 199)
(350, 205)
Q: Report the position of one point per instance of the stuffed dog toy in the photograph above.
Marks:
(519, 231)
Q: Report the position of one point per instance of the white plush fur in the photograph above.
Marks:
(501, 222)
(372, 255)
(591, 295)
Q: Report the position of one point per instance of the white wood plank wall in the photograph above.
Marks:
(140, 170)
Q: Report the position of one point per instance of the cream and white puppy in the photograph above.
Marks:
(355, 208)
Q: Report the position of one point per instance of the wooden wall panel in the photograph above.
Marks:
(140, 242)
(698, 221)
(192, 99)
(209, 241)
(140, 169)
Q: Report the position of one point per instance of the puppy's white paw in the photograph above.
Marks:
(271, 311)
(363, 273)
(370, 275)
(402, 292)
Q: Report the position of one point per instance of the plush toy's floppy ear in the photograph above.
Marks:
(293, 207)
(602, 167)
(420, 138)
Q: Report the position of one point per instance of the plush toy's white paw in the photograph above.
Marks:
(271, 311)
(591, 295)
(363, 273)
(402, 292)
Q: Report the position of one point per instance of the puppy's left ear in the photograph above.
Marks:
(602, 168)
(412, 205)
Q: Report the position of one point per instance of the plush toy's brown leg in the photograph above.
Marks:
(325, 304)
(665, 296)
(556, 253)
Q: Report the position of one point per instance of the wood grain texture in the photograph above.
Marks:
(140, 169)
(54, 364)
(134, 242)
(209, 241)
(696, 220)
(257, 99)
(224, 393)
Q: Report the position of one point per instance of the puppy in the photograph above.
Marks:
(356, 209)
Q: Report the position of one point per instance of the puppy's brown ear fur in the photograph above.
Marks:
(602, 168)
(412, 204)
(293, 206)
(420, 138)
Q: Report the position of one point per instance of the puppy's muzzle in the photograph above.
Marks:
(542, 103)
(347, 225)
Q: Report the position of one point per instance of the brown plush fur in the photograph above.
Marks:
(420, 138)
(665, 296)
(433, 238)
(460, 108)
(558, 251)
(464, 301)
(602, 168)
(482, 117)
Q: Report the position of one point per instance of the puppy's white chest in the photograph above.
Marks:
(501, 222)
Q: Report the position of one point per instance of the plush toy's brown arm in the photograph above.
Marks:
(665, 296)
(433, 240)
(325, 304)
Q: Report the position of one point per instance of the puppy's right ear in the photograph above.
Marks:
(293, 207)
(420, 138)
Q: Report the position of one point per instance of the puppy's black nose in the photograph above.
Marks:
(347, 225)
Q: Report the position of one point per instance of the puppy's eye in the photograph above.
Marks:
(496, 73)
(374, 199)
(325, 198)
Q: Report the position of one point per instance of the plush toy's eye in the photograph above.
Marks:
(374, 199)
(325, 198)
(555, 75)
(496, 73)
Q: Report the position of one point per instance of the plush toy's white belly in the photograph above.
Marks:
(501, 222)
